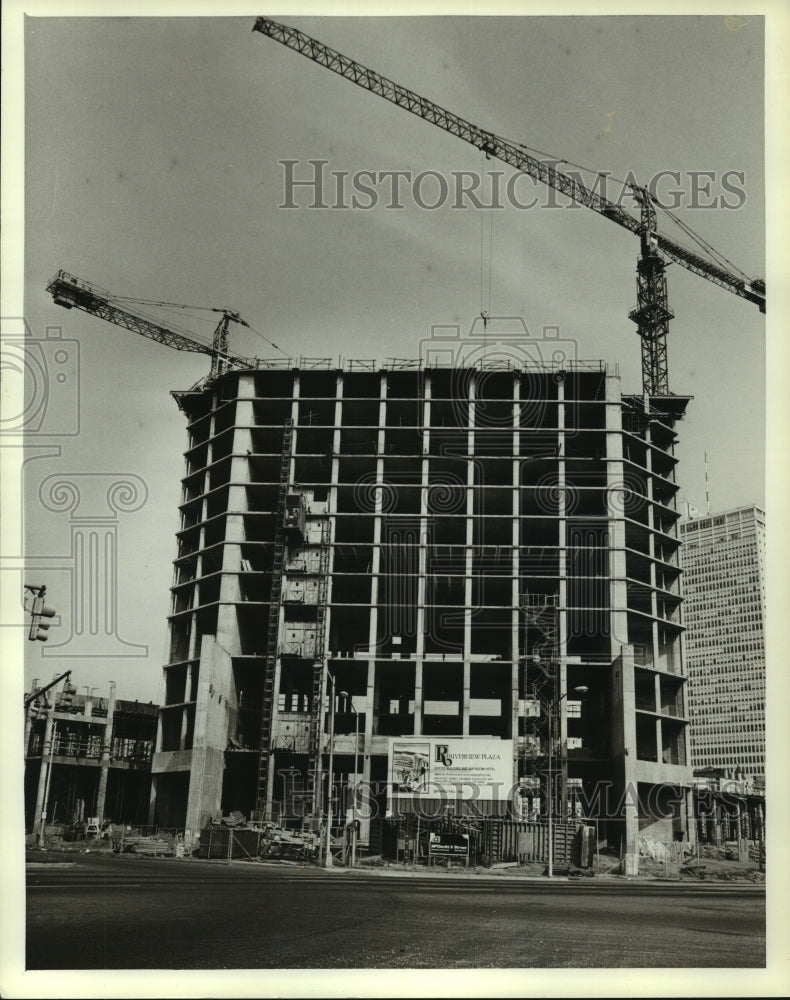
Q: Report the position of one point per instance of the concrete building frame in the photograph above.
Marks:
(488, 535)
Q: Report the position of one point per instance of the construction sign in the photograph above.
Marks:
(449, 768)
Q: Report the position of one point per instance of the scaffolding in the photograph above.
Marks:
(275, 601)
(540, 618)
(314, 786)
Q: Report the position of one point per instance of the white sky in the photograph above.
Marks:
(152, 149)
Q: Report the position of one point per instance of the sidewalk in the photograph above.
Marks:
(722, 873)
(538, 873)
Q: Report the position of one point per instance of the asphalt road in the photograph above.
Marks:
(117, 912)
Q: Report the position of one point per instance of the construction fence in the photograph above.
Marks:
(254, 844)
(493, 840)
(525, 842)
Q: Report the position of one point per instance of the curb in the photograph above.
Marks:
(481, 874)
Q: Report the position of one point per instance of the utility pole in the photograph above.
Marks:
(106, 753)
(39, 816)
(331, 680)
(581, 689)
(42, 774)
(53, 735)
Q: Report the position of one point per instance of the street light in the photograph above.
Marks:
(581, 689)
(345, 694)
(53, 734)
(330, 680)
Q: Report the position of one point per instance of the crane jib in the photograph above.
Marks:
(503, 150)
(71, 292)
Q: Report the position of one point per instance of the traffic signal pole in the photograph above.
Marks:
(43, 774)
(47, 753)
(43, 826)
(31, 699)
(43, 690)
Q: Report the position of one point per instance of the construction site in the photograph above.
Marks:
(87, 758)
(442, 590)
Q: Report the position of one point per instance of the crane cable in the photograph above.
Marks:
(155, 321)
(703, 244)
(172, 306)
(270, 342)
(710, 251)
(485, 301)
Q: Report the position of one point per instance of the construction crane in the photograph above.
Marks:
(71, 292)
(652, 314)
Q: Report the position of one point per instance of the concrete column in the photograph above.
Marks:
(423, 566)
(515, 666)
(158, 740)
(244, 419)
(689, 819)
(295, 417)
(561, 686)
(373, 628)
(331, 503)
(470, 511)
(654, 654)
(616, 523)
(624, 755)
(269, 753)
(210, 735)
(377, 532)
(323, 655)
(367, 736)
(101, 795)
(152, 793)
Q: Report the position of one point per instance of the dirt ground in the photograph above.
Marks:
(709, 863)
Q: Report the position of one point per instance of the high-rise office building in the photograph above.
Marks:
(723, 560)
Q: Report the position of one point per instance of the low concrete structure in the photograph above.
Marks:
(87, 756)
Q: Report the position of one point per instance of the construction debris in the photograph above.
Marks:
(234, 837)
(157, 845)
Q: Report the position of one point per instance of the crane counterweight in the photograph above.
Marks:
(71, 292)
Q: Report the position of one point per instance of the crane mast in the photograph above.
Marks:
(71, 292)
(652, 314)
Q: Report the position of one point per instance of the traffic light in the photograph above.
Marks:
(67, 697)
(40, 708)
(40, 613)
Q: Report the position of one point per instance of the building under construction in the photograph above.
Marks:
(454, 578)
(387, 562)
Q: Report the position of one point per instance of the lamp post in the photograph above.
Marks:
(555, 703)
(328, 861)
(50, 765)
(345, 694)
